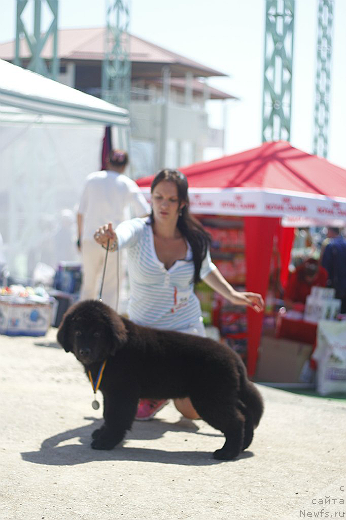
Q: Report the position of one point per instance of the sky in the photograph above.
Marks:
(228, 35)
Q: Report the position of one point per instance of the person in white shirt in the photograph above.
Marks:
(108, 195)
(2, 262)
(167, 254)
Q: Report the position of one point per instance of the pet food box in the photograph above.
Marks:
(321, 309)
(321, 305)
(330, 355)
(21, 317)
(281, 360)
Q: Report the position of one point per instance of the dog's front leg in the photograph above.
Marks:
(119, 413)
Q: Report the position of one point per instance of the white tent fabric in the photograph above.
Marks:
(30, 91)
(50, 140)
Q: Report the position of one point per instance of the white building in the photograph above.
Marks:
(169, 93)
(44, 159)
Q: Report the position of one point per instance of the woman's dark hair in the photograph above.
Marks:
(118, 158)
(189, 227)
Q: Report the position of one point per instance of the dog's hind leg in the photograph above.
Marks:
(226, 417)
(249, 424)
(234, 442)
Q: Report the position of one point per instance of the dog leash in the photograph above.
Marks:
(104, 271)
(95, 385)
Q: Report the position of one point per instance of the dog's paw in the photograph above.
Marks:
(223, 454)
(96, 433)
(106, 439)
(102, 444)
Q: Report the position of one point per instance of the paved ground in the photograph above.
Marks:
(165, 469)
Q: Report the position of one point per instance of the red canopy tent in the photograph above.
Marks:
(276, 187)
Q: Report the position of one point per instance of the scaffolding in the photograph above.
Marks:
(278, 64)
(323, 77)
(37, 39)
(116, 67)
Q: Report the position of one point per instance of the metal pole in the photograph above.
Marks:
(166, 75)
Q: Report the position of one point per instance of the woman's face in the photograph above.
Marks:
(165, 201)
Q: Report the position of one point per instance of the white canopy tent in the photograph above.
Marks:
(50, 140)
(29, 91)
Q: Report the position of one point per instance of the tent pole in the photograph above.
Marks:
(259, 235)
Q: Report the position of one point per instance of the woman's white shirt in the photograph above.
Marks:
(159, 297)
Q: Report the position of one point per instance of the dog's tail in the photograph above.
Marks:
(250, 396)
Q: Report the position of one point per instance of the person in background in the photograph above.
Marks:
(2, 262)
(300, 282)
(108, 195)
(168, 252)
(334, 261)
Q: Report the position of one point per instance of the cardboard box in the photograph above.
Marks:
(24, 319)
(281, 360)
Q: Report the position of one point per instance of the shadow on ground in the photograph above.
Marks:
(72, 447)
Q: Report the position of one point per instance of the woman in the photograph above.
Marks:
(168, 252)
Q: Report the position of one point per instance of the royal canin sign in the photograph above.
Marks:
(266, 203)
(239, 204)
(335, 209)
(286, 205)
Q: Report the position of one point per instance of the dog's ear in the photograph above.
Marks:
(118, 331)
(63, 335)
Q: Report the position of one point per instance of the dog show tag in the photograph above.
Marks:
(95, 404)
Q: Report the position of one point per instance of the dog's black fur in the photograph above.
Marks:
(147, 363)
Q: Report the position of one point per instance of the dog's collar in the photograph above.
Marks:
(95, 385)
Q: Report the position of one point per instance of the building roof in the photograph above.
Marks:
(88, 45)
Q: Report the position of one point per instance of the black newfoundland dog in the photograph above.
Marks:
(142, 362)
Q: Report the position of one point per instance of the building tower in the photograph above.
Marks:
(37, 38)
(116, 67)
(278, 62)
(323, 76)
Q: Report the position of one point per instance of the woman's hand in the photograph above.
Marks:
(249, 299)
(104, 234)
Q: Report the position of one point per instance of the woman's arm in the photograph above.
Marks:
(217, 282)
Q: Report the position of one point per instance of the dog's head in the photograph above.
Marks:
(92, 331)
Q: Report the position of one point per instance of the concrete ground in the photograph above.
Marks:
(164, 470)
